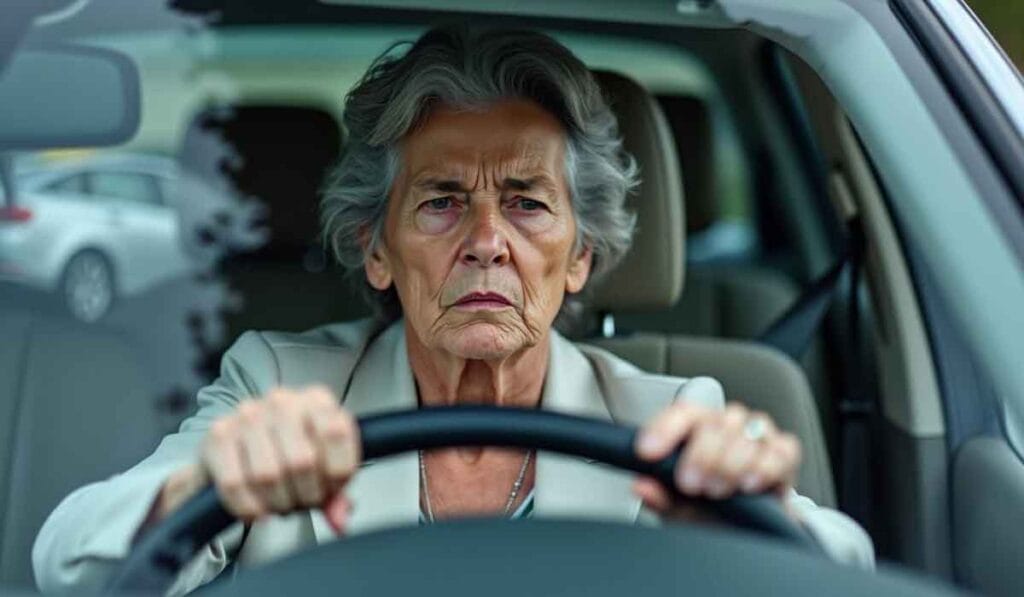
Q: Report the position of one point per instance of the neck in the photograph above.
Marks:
(443, 379)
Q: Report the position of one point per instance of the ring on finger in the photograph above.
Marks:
(756, 429)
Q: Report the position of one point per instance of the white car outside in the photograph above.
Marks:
(112, 226)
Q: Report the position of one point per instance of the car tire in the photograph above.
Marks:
(87, 286)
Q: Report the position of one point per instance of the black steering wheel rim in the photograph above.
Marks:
(160, 555)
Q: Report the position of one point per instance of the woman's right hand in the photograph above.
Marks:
(290, 450)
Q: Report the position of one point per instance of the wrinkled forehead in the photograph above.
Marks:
(512, 138)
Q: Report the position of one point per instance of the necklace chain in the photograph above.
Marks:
(512, 494)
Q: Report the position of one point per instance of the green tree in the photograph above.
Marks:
(1005, 20)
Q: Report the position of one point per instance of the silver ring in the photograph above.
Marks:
(756, 429)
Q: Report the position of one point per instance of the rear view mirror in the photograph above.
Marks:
(67, 96)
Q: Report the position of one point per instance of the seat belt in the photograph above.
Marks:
(792, 334)
(794, 330)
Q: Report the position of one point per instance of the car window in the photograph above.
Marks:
(133, 188)
(720, 216)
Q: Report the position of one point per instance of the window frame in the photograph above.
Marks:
(150, 181)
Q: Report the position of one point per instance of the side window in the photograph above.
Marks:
(719, 215)
(134, 188)
(69, 184)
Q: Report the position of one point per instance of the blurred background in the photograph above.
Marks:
(1005, 19)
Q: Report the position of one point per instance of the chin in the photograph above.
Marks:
(484, 341)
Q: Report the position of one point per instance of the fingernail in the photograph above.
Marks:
(649, 443)
(750, 482)
(692, 479)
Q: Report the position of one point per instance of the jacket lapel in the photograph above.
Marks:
(568, 486)
(386, 492)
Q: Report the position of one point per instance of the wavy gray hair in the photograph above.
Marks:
(463, 67)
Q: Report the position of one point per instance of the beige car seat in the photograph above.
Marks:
(728, 297)
(650, 279)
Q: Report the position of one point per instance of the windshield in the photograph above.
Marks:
(127, 268)
(165, 218)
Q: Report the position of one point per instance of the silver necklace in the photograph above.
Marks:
(512, 495)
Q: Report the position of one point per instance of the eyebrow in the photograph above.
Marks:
(451, 185)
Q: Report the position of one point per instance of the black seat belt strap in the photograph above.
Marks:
(793, 332)
(856, 410)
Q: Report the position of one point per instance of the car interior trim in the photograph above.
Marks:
(909, 387)
(916, 164)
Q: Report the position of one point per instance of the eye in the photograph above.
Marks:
(439, 203)
(527, 204)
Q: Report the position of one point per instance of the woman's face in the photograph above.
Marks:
(479, 237)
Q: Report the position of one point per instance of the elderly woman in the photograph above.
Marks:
(483, 185)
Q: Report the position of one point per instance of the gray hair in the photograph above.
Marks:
(467, 68)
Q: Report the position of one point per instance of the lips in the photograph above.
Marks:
(483, 299)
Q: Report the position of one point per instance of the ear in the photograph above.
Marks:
(579, 271)
(376, 262)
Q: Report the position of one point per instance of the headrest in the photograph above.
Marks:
(276, 154)
(651, 274)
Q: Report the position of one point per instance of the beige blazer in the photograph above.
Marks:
(92, 529)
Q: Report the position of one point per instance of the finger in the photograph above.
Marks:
(263, 468)
(758, 478)
(788, 446)
(296, 448)
(337, 510)
(736, 465)
(775, 467)
(697, 462)
(653, 494)
(701, 470)
(727, 465)
(661, 436)
(222, 459)
(338, 437)
(299, 457)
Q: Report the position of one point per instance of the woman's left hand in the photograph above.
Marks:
(727, 451)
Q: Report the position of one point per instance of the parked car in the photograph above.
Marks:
(98, 228)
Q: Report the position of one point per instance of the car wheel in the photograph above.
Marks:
(88, 286)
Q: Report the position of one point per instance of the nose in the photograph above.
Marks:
(486, 244)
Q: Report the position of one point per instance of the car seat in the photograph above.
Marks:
(77, 407)
(650, 280)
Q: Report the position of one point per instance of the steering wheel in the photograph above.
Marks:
(155, 562)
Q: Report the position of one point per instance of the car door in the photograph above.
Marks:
(62, 219)
(986, 440)
(146, 228)
(945, 486)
